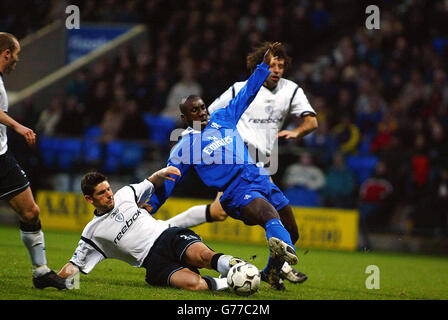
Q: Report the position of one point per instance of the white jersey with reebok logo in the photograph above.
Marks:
(125, 233)
(265, 116)
(4, 108)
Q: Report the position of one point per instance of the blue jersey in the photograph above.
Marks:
(217, 153)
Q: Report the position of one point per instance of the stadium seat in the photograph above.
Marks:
(132, 155)
(93, 132)
(48, 147)
(299, 196)
(68, 152)
(159, 127)
(363, 166)
(114, 150)
(122, 155)
(93, 151)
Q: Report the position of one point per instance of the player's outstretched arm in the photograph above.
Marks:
(308, 125)
(27, 133)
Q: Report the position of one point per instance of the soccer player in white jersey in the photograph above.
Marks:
(260, 126)
(14, 185)
(124, 231)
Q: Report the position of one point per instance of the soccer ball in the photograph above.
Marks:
(244, 279)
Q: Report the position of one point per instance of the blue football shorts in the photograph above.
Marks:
(245, 189)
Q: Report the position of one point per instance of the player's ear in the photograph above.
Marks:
(6, 54)
(88, 198)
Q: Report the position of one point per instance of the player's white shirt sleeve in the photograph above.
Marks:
(300, 106)
(4, 108)
(142, 191)
(86, 257)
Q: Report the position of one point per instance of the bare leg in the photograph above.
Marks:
(217, 213)
(200, 256)
(30, 230)
(25, 206)
(187, 279)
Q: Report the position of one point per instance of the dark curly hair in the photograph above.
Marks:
(90, 181)
(256, 56)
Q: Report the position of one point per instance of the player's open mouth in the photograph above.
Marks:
(275, 78)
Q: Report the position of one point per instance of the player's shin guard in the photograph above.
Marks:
(33, 239)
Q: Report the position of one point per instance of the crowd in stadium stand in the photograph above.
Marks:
(381, 95)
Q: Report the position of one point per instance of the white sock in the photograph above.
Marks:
(221, 283)
(216, 283)
(286, 268)
(190, 218)
(35, 243)
(40, 271)
(223, 265)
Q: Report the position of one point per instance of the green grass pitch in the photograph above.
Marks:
(332, 275)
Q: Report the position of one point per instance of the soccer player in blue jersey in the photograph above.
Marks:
(216, 151)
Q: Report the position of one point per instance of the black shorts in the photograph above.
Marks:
(166, 255)
(12, 178)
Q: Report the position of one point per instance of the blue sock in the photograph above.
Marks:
(275, 228)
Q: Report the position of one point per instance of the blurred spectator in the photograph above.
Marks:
(419, 184)
(320, 18)
(346, 134)
(437, 144)
(340, 184)
(302, 182)
(157, 101)
(113, 118)
(97, 102)
(72, 120)
(374, 202)
(385, 136)
(412, 96)
(321, 143)
(133, 127)
(139, 90)
(185, 87)
(78, 85)
(49, 117)
(439, 199)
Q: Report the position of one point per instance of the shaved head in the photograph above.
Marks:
(192, 109)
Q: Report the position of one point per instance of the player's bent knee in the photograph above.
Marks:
(31, 214)
(217, 213)
(188, 280)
